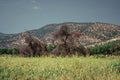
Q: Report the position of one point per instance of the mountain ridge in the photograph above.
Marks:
(93, 32)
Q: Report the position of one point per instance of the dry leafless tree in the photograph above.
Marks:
(67, 45)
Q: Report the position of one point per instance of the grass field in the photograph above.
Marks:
(68, 68)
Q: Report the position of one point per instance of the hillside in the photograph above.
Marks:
(6, 39)
(91, 32)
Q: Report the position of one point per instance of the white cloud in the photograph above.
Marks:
(33, 1)
(35, 5)
(36, 8)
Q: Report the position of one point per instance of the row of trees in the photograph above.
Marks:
(9, 51)
(111, 48)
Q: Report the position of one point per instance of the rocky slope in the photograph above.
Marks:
(91, 32)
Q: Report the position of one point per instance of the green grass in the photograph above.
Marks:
(68, 68)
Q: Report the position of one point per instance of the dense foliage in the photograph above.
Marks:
(108, 48)
(51, 48)
(9, 51)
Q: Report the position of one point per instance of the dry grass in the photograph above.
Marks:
(47, 68)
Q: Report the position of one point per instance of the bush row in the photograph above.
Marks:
(108, 48)
(111, 48)
(9, 51)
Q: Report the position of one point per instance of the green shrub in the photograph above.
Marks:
(116, 67)
(51, 47)
(108, 48)
(9, 51)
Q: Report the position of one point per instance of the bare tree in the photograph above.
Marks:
(67, 45)
(35, 47)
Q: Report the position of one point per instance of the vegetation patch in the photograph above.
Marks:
(9, 51)
(47, 68)
(111, 48)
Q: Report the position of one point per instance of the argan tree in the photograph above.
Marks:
(67, 42)
(36, 47)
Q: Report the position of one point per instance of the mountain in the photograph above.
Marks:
(6, 39)
(91, 32)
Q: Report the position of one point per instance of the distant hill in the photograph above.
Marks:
(6, 39)
(92, 32)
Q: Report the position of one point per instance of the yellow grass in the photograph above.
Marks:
(47, 68)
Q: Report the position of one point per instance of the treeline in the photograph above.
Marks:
(9, 51)
(111, 48)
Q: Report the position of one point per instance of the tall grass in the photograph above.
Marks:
(47, 68)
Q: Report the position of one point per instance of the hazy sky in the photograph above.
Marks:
(20, 15)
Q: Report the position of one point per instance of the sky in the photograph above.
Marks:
(20, 15)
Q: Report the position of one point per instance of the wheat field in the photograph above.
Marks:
(59, 68)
